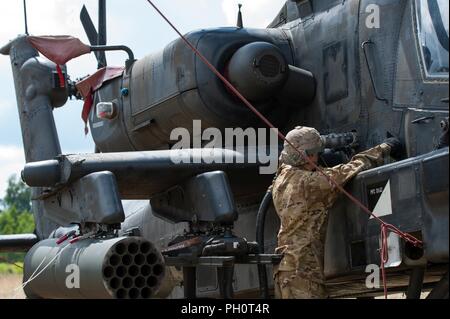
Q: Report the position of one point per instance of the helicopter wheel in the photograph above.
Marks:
(440, 291)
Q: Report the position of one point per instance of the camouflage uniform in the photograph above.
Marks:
(172, 279)
(302, 199)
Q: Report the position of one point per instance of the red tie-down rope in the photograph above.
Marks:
(385, 227)
(62, 81)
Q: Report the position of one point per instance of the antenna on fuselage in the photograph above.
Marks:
(25, 16)
(240, 23)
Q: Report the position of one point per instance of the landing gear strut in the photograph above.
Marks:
(415, 283)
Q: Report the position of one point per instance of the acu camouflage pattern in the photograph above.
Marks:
(302, 199)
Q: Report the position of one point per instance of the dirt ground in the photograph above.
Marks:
(8, 284)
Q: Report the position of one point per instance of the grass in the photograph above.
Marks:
(6, 268)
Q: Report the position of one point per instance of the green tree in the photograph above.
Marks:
(17, 194)
(16, 217)
(13, 221)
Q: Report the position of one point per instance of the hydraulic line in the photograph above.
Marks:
(260, 223)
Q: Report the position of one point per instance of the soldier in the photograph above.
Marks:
(302, 198)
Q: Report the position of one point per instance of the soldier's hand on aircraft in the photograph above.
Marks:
(397, 147)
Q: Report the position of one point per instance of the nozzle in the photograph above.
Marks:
(340, 140)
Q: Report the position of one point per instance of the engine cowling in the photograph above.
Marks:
(171, 88)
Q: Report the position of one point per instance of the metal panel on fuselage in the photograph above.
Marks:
(324, 43)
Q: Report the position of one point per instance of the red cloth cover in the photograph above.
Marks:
(89, 85)
(96, 80)
(59, 48)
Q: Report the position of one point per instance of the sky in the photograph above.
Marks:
(133, 23)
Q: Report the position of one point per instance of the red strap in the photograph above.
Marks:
(62, 81)
(384, 256)
(87, 106)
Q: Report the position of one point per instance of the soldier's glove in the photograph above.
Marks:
(397, 147)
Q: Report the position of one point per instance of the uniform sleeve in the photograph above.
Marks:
(360, 162)
(345, 172)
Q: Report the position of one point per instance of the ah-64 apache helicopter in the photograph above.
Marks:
(321, 63)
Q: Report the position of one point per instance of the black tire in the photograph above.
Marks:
(440, 291)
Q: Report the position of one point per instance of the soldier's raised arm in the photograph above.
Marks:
(363, 161)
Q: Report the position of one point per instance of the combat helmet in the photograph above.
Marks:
(305, 139)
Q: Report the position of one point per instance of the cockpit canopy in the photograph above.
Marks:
(432, 25)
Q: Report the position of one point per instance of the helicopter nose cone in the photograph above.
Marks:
(258, 70)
